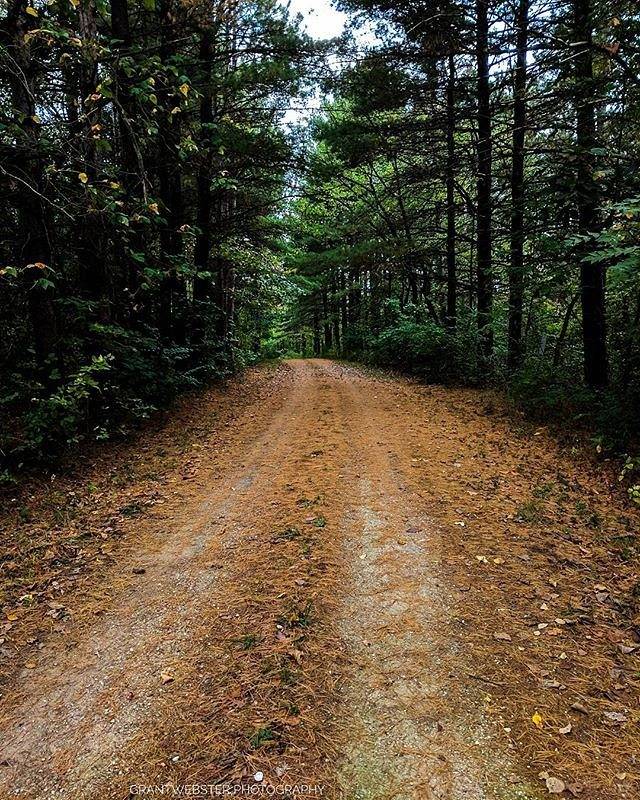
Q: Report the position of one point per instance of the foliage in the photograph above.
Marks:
(144, 163)
(386, 230)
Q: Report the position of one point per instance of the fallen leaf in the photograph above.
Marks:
(30, 665)
(83, 177)
(167, 677)
(567, 729)
(615, 717)
(502, 637)
(579, 707)
(298, 655)
(555, 785)
(537, 720)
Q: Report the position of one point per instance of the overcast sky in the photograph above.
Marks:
(322, 21)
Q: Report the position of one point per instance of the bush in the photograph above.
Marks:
(96, 396)
(549, 394)
(422, 348)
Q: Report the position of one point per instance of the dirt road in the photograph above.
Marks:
(354, 585)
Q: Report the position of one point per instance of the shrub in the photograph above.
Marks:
(423, 348)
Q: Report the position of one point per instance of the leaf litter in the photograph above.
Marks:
(538, 558)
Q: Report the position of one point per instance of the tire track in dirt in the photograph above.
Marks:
(415, 730)
(78, 712)
(301, 610)
(261, 696)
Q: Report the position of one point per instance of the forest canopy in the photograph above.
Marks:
(463, 204)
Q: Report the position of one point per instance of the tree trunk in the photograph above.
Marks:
(483, 266)
(93, 243)
(355, 297)
(592, 276)
(35, 254)
(452, 281)
(516, 263)
(169, 185)
(344, 307)
(335, 309)
(316, 329)
(326, 321)
(125, 112)
(202, 250)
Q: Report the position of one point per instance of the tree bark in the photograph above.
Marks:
(202, 251)
(452, 281)
(125, 110)
(326, 320)
(483, 248)
(35, 254)
(316, 329)
(121, 32)
(169, 186)
(335, 311)
(592, 276)
(516, 262)
(93, 242)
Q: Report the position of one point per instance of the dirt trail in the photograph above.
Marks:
(330, 604)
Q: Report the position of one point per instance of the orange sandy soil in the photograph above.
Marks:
(318, 576)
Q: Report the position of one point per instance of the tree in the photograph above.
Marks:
(516, 264)
(592, 276)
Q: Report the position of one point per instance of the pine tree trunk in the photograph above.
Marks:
(170, 185)
(202, 251)
(93, 242)
(483, 248)
(452, 281)
(35, 254)
(335, 310)
(326, 319)
(592, 276)
(516, 262)
(132, 174)
(121, 32)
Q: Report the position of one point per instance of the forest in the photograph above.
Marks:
(320, 399)
(459, 200)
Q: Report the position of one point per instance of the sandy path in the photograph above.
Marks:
(296, 617)
(416, 731)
